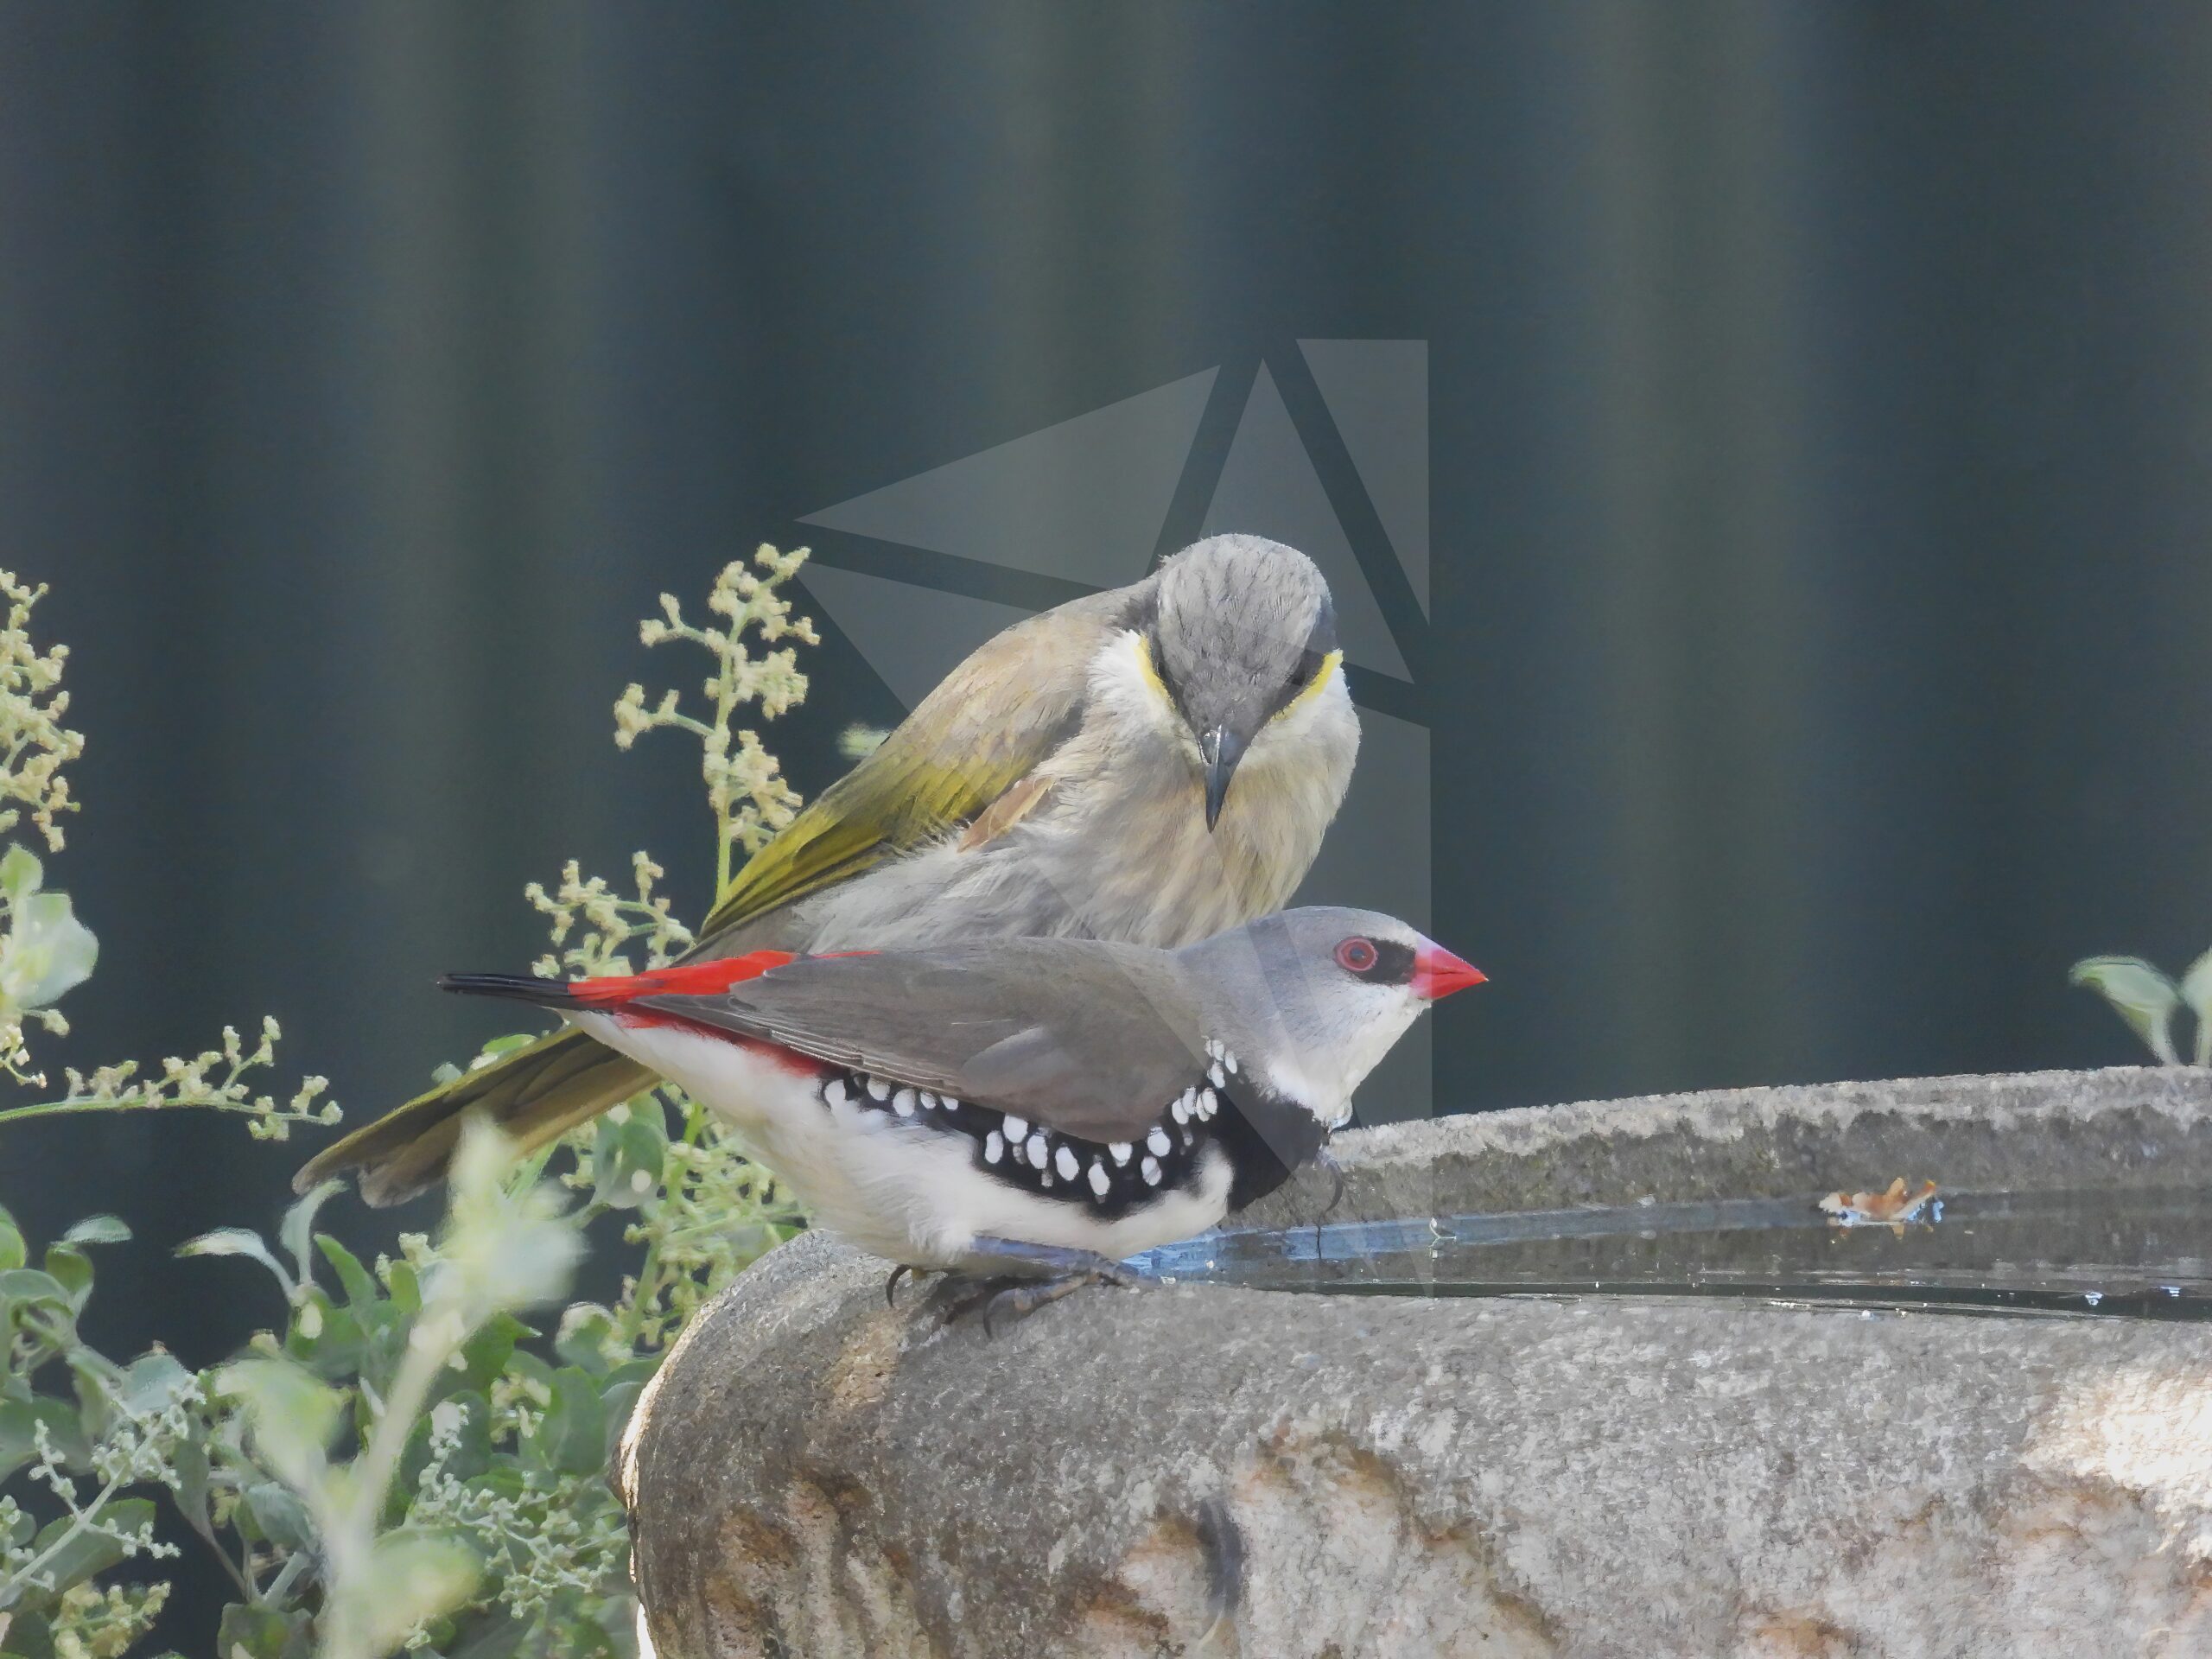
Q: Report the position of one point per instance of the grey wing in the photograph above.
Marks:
(1085, 1037)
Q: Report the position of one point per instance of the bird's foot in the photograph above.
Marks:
(891, 1285)
(1065, 1272)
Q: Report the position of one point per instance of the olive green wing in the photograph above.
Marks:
(973, 740)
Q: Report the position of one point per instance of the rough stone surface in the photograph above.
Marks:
(814, 1474)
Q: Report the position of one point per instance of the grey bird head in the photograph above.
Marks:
(1239, 626)
(1322, 993)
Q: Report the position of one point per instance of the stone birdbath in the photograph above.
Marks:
(1589, 1380)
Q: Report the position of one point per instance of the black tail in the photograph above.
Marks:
(519, 988)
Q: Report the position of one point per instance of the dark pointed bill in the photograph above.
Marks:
(1221, 749)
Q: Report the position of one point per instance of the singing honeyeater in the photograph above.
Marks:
(1043, 1107)
(1148, 765)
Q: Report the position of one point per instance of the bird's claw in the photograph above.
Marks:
(891, 1285)
(1017, 1302)
(1001, 1303)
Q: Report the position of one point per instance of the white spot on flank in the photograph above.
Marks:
(1016, 1127)
(1228, 1060)
(1151, 1170)
(948, 1103)
(1215, 1074)
(878, 1088)
(834, 1091)
(1099, 1179)
(1158, 1141)
(929, 1100)
(1065, 1161)
(1121, 1150)
(1040, 1149)
(1180, 1109)
(903, 1103)
(641, 1180)
(993, 1147)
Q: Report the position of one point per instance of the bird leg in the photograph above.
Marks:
(891, 1285)
(1326, 1159)
(1063, 1273)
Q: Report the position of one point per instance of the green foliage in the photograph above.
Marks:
(398, 1461)
(2147, 1000)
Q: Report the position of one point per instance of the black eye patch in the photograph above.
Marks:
(1393, 964)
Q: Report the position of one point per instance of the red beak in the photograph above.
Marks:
(1438, 973)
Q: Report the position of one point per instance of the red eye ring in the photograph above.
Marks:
(1355, 956)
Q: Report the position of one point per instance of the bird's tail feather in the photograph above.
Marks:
(534, 1094)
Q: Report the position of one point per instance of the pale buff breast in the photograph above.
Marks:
(1117, 845)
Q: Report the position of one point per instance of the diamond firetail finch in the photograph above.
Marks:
(1042, 1106)
(1146, 765)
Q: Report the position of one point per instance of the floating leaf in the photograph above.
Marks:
(238, 1240)
(20, 874)
(98, 1229)
(2196, 991)
(2140, 994)
(47, 952)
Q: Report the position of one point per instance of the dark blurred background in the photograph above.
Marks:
(1819, 451)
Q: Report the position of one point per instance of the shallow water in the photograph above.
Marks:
(2102, 1254)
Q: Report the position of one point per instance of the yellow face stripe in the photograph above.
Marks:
(1330, 664)
(1152, 672)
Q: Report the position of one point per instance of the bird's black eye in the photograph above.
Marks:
(1356, 956)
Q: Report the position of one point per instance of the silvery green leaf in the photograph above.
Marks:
(411, 1578)
(2140, 994)
(85, 1554)
(292, 1415)
(238, 1241)
(20, 1422)
(2196, 991)
(629, 1149)
(296, 1233)
(98, 1229)
(47, 953)
(20, 874)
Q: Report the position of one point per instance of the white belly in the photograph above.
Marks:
(898, 1188)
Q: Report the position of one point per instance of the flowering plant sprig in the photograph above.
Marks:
(745, 786)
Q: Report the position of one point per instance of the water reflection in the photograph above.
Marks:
(2143, 1254)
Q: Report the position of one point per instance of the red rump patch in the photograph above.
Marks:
(691, 979)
